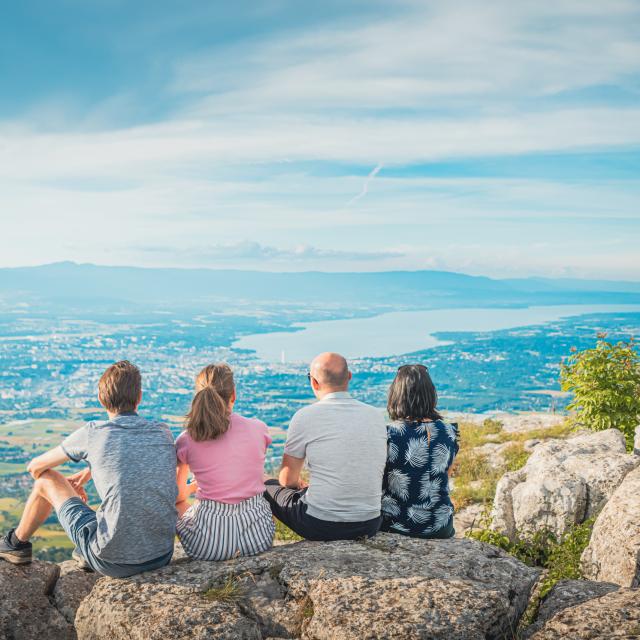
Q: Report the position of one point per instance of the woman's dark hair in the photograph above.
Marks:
(412, 395)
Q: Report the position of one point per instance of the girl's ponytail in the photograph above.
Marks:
(209, 415)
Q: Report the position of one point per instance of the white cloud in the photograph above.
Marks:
(226, 176)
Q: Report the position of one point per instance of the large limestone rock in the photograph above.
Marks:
(387, 587)
(72, 587)
(613, 553)
(25, 609)
(613, 615)
(566, 594)
(563, 483)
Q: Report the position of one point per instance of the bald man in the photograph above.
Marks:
(344, 443)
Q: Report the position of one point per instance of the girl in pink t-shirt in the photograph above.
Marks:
(225, 452)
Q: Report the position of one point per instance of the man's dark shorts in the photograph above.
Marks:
(80, 524)
(287, 505)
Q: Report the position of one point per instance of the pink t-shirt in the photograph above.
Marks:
(230, 468)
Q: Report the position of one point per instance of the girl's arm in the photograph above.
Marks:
(184, 489)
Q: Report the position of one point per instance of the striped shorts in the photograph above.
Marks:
(211, 530)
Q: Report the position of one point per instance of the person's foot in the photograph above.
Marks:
(14, 551)
(80, 561)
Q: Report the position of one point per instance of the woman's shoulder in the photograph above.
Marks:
(449, 429)
(244, 421)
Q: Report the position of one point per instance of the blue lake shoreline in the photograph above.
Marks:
(403, 332)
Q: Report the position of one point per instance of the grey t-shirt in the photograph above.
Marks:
(344, 442)
(133, 466)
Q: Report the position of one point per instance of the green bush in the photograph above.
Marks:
(605, 382)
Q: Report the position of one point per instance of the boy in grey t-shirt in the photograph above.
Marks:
(133, 464)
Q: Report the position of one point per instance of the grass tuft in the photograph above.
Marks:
(230, 590)
(283, 533)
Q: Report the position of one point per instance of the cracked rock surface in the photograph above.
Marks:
(27, 610)
(386, 587)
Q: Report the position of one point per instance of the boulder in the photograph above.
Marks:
(26, 610)
(386, 587)
(565, 594)
(612, 615)
(636, 442)
(613, 553)
(563, 483)
(467, 519)
(72, 587)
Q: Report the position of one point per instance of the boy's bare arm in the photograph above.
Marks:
(47, 461)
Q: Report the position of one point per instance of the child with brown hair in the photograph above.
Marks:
(132, 462)
(225, 452)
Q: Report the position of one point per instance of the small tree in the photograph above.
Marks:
(605, 382)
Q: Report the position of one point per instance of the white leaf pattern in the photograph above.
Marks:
(439, 459)
(426, 428)
(400, 427)
(419, 513)
(441, 517)
(399, 484)
(390, 506)
(430, 489)
(417, 453)
(451, 431)
(392, 452)
(399, 527)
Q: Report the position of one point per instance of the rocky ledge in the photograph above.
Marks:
(386, 587)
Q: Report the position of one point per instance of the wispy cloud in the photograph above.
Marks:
(251, 253)
(365, 186)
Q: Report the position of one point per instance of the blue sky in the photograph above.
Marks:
(499, 138)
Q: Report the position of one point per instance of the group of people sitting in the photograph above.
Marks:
(362, 474)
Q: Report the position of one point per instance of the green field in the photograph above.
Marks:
(9, 468)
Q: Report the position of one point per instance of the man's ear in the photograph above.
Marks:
(350, 376)
(139, 399)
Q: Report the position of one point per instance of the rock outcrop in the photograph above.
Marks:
(563, 483)
(72, 587)
(612, 615)
(26, 611)
(613, 553)
(387, 587)
(566, 594)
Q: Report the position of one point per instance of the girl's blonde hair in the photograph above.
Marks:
(209, 415)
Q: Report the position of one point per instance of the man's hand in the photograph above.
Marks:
(78, 480)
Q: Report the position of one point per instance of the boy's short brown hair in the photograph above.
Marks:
(120, 387)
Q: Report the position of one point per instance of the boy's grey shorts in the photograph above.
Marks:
(80, 524)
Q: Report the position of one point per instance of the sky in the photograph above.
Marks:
(496, 138)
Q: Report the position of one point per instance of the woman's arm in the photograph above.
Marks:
(184, 489)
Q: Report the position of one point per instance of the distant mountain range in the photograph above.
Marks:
(68, 284)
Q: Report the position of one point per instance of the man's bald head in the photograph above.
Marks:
(331, 371)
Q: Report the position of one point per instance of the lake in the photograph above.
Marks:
(401, 332)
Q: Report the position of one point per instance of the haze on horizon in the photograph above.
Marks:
(499, 138)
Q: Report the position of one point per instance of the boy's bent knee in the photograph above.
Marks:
(53, 486)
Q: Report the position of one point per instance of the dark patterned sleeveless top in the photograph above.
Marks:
(415, 499)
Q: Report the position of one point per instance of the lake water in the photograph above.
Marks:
(402, 332)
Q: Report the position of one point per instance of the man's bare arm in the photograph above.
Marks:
(290, 471)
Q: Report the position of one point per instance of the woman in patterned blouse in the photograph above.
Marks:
(421, 448)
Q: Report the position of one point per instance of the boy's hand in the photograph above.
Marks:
(78, 480)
